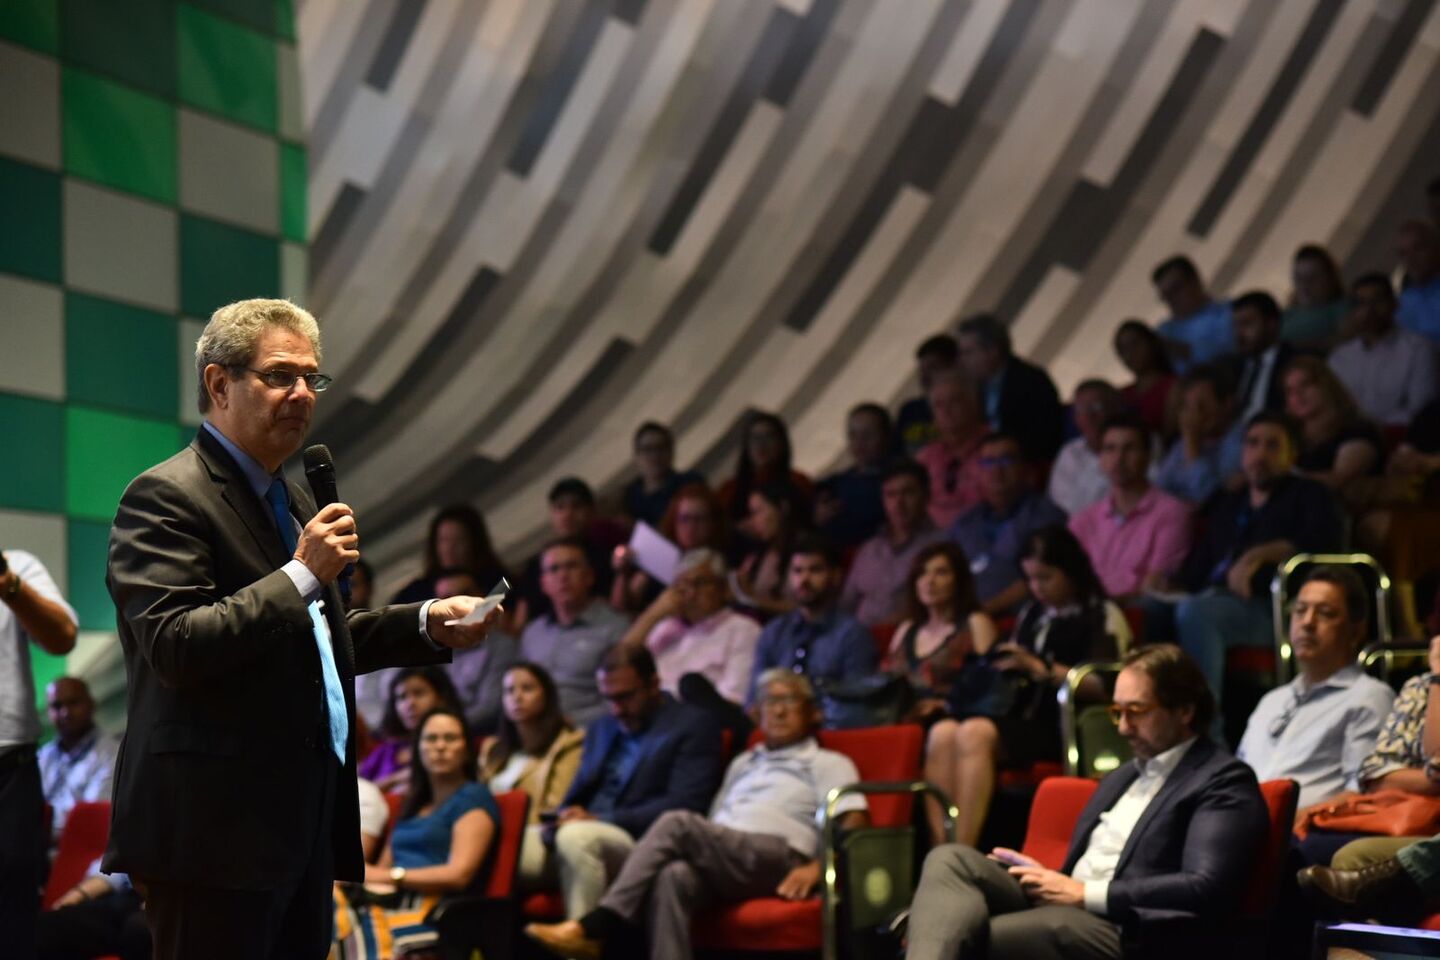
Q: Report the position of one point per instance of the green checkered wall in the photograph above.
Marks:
(152, 168)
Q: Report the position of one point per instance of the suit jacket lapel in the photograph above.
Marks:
(252, 512)
(1111, 789)
(1169, 790)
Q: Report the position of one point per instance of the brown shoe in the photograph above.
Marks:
(565, 939)
(1381, 891)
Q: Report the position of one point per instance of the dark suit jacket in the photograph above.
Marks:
(225, 699)
(1030, 409)
(678, 769)
(1233, 366)
(1185, 866)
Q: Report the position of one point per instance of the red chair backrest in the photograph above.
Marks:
(514, 810)
(82, 842)
(1053, 814)
(879, 753)
(1281, 797)
(883, 633)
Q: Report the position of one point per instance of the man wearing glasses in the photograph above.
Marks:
(235, 801)
(1318, 728)
(1158, 860)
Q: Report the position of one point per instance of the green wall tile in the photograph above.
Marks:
(36, 480)
(285, 19)
(259, 14)
(130, 40)
(119, 136)
(293, 174)
(220, 264)
(89, 547)
(35, 23)
(30, 240)
(227, 69)
(104, 451)
(121, 356)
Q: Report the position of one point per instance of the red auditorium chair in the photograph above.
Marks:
(883, 633)
(1053, 815)
(82, 842)
(486, 919)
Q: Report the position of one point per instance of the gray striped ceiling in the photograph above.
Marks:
(538, 222)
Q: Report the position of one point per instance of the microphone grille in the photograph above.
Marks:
(317, 457)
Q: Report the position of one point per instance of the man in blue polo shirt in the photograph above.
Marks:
(1199, 328)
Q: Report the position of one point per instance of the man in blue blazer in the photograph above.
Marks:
(649, 754)
(1159, 856)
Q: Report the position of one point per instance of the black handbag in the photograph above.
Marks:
(874, 701)
(984, 690)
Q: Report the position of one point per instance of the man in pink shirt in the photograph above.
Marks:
(1137, 535)
(953, 460)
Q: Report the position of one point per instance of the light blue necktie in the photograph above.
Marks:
(279, 499)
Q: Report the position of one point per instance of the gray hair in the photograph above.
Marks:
(229, 339)
(702, 558)
(797, 682)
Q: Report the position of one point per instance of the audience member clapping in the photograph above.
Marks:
(1207, 452)
(1390, 371)
(764, 462)
(1198, 329)
(915, 423)
(874, 591)
(993, 532)
(1143, 353)
(458, 540)
(1015, 396)
(1418, 245)
(414, 692)
(439, 843)
(78, 765)
(1339, 446)
(953, 458)
(815, 638)
(847, 504)
(1076, 480)
(1137, 535)
(477, 672)
(572, 639)
(1316, 319)
(648, 496)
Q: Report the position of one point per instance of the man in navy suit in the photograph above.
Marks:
(649, 754)
(1159, 855)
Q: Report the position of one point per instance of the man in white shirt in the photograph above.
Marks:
(1390, 371)
(1159, 855)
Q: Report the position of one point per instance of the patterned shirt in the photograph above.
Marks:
(1401, 744)
(78, 775)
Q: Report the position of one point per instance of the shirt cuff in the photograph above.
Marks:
(305, 581)
(1097, 894)
(425, 625)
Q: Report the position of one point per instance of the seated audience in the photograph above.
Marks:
(1317, 728)
(1136, 535)
(1397, 890)
(760, 839)
(915, 425)
(101, 916)
(575, 635)
(441, 840)
(1390, 371)
(414, 692)
(693, 520)
(1198, 329)
(764, 462)
(1316, 319)
(374, 818)
(1168, 837)
(693, 629)
(874, 591)
(993, 531)
(648, 496)
(1418, 244)
(1246, 534)
(458, 540)
(362, 587)
(1261, 357)
(815, 638)
(76, 766)
(953, 458)
(477, 672)
(647, 754)
(759, 578)
(1339, 445)
(1015, 396)
(1199, 461)
(572, 517)
(944, 627)
(1076, 480)
(847, 504)
(1143, 353)
(534, 749)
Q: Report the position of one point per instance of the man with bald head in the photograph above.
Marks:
(77, 765)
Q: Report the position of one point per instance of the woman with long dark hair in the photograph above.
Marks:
(1143, 353)
(764, 461)
(414, 692)
(458, 540)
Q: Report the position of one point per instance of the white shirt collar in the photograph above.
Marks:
(1164, 764)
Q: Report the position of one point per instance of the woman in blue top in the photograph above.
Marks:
(440, 841)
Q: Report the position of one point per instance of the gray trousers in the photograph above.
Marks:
(685, 862)
(968, 906)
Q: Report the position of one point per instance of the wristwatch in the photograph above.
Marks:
(397, 875)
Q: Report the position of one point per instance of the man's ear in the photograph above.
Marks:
(217, 384)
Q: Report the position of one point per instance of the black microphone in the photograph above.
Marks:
(320, 471)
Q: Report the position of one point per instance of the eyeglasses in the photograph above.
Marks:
(431, 739)
(1131, 711)
(282, 379)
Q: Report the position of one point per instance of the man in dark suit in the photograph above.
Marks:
(235, 800)
(649, 754)
(1016, 397)
(1258, 365)
(1158, 858)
